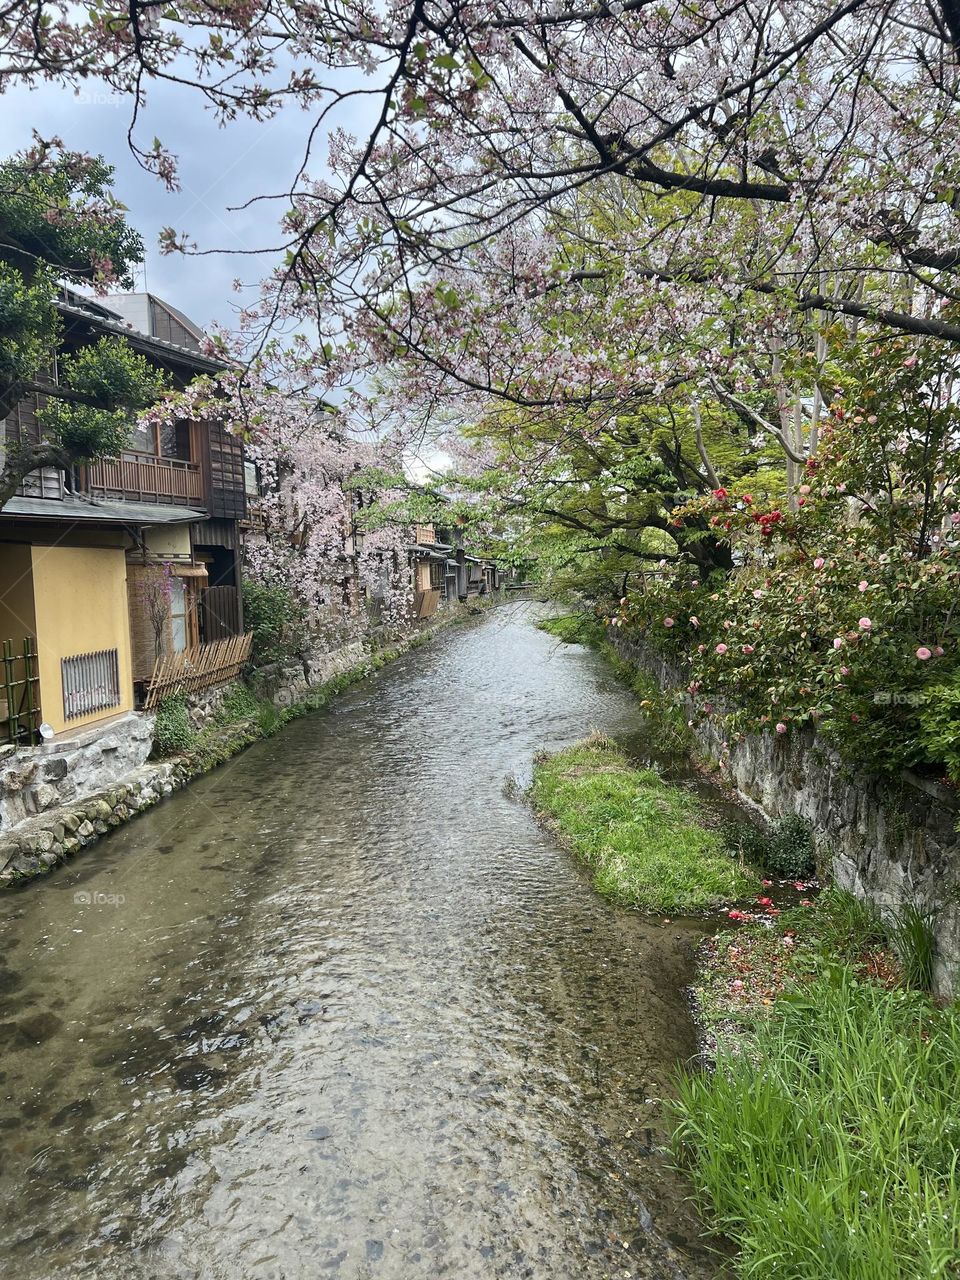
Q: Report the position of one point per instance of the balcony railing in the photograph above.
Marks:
(141, 477)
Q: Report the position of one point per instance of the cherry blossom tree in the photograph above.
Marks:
(309, 535)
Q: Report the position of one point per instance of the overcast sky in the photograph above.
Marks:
(218, 168)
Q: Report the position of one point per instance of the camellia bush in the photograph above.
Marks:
(843, 612)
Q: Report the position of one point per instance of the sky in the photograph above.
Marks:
(219, 167)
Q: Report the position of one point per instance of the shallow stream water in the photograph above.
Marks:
(343, 1009)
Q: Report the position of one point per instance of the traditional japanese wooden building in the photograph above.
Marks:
(126, 560)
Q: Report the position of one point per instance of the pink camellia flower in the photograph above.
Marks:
(865, 624)
(804, 488)
(854, 718)
(701, 648)
(721, 648)
(844, 671)
(955, 518)
(694, 622)
(781, 727)
(938, 651)
(819, 562)
(862, 586)
(923, 653)
(801, 502)
(668, 622)
(765, 902)
(872, 419)
(758, 594)
(747, 648)
(736, 984)
(837, 643)
(727, 624)
(910, 362)
(789, 942)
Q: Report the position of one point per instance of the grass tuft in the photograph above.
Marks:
(641, 837)
(828, 1150)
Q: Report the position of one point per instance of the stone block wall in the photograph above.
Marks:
(894, 841)
(34, 780)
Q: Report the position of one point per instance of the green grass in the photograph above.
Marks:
(829, 1146)
(640, 836)
(827, 1139)
(574, 628)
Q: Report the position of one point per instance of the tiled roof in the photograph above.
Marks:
(101, 318)
(100, 511)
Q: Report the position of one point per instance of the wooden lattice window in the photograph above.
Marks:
(91, 682)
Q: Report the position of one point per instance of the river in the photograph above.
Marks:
(342, 1009)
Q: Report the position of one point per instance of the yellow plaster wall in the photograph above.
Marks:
(17, 618)
(80, 596)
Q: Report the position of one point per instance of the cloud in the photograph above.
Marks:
(219, 168)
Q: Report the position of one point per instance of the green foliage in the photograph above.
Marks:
(276, 619)
(826, 1146)
(939, 724)
(173, 734)
(640, 836)
(59, 208)
(912, 938)
(843, 926)
(574, 628)
(114, 381)
(238, 703)
(59, 220)
(784, 849)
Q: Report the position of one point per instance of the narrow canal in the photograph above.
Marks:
(343, 1009)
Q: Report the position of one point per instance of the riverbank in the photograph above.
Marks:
(642, 838)
(824, 1140)
(183, 753)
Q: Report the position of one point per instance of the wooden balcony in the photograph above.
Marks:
(141, 477)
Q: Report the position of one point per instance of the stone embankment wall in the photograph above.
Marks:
(893, 841)
(57, 798)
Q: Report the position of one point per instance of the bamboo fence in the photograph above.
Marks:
(200, 667)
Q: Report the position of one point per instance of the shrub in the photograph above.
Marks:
(275, 618)
(784, 849)
(790, 850)
(940, 726)
(173, 734)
